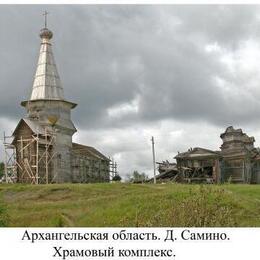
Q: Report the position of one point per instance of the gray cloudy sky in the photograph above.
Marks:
(180, 73)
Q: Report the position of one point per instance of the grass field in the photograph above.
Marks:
(130, 205)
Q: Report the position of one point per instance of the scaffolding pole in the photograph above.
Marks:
(113, 168)
(10, 159)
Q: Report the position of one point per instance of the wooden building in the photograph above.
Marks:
(43, 151)
(199, 165)
(237, 161)
(88, 164)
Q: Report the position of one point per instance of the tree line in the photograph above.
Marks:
(135, 177)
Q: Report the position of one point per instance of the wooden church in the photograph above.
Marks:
(43, 151)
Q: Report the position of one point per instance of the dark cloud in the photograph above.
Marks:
(138, 66)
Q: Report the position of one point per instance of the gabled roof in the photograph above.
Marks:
(33, 125)
(88, 151)
(197, 152)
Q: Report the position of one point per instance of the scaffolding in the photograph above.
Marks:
(113, 168)
(30, 160)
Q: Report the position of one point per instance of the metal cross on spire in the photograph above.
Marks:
(45, 18)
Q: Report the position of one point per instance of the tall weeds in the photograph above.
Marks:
(205, 208)
(202, 207)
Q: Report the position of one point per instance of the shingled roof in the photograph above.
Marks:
(88, 151)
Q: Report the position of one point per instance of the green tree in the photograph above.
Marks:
(117, 177)
(2, 169)
(138, 177)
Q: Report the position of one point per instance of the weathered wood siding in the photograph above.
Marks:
(89, 170)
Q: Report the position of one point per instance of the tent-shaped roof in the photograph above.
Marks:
(47, 84)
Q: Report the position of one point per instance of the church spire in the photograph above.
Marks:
(47, 84)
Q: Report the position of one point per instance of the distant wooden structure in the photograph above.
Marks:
(239, 157)
(199, 165)
(237, 161)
